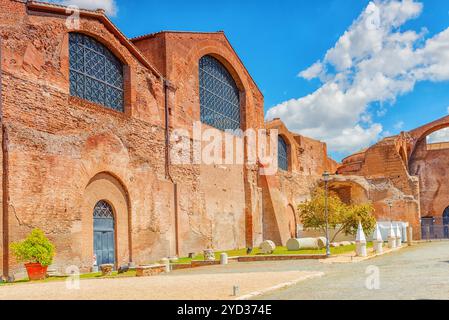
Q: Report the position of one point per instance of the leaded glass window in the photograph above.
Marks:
(95, 73)
(219, 96)
(103, 210)
(282, 154)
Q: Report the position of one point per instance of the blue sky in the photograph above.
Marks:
(278, 40)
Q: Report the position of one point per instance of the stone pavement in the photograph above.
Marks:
(353, 258)
(420, 272)
(210, 285)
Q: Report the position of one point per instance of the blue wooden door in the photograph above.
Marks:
(104, 233)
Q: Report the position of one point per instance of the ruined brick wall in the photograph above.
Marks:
(66, 154)
(432, 168)
(283, 192)
(384, 167)
(60, 144)
(227, 215)
(380, 191)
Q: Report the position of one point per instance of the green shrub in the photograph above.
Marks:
(344, 218)
(36, 248)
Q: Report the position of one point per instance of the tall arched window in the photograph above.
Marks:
(282, 154)
(95, 73)
(219, 96)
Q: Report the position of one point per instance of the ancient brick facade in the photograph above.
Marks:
(64, 154)
(403, 172)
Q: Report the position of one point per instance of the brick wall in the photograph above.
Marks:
(431, 166)
(67, 153)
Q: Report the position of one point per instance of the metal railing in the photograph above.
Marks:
(435, 232)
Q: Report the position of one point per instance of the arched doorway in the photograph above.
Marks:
(446, 223)
(106, 191)
(104, 233)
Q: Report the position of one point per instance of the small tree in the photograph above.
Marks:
(342, 217)
(36, 248)
(359, 213)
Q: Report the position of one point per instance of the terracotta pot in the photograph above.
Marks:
(36, 271)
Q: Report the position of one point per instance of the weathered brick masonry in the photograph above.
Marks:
(66, 154)
(404, 171)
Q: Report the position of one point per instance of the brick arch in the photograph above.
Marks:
(422, 132)
(349, 191)
(111, 47)
(129, 72)
(230, 61)
(289, 139)
(106, 186)
(223, 54)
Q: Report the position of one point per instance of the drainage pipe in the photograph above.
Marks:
(5, 178)
(167, 87)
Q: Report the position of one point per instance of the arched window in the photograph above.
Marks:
(95, 73)
(282, 154)
(219, 96)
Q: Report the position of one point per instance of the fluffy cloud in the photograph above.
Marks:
(313, 71)
(373, 61)
(109, 6)
(439, 136)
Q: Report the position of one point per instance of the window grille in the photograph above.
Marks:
(282, 154)
(219, 96)
(96, 74)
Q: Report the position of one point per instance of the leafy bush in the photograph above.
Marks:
(343, 218)
(36, 248)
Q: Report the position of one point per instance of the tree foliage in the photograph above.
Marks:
(36, 248)
(342, 217)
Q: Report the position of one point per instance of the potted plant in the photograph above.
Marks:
(37, 252)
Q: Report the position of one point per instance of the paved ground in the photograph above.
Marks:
(208, 285)
(419, 272)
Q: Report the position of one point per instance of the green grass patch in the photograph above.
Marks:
(86, 276)
(278, 251)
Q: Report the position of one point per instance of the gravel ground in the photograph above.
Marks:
(417, 273)
(178, 285)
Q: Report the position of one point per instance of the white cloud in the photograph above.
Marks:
(373, 61)
(313, 71)
(110, 6)
(439, 136)
(356, 136)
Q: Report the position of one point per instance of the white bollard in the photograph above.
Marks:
(398, 236)
(360, 242)
(361, 250)
(377, 240)
(166, 263)
(224, 259)
(392, 238)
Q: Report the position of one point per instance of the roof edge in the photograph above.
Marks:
(150, 35)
